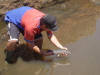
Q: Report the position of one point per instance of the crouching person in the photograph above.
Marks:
(30, 22)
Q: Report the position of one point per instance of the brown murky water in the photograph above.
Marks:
(79, 29)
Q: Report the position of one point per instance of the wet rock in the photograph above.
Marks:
(3, 37)
(6, 5)
(63, 6)
(44, 1)
(61, 1)
(97, 2)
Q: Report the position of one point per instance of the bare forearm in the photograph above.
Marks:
(36, 49)
(55, 41)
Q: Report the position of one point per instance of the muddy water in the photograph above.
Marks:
(79, 29)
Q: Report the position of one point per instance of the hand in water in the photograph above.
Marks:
(64, 48)
(65, 53)
(62, 54)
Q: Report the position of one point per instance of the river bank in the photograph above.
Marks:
(6, 5)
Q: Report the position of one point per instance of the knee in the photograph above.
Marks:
(10, 51)
(11, 45)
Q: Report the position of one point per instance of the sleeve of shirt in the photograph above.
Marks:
(49, 33)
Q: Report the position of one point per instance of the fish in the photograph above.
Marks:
(59, 52)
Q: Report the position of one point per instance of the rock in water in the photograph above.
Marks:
(97, 2)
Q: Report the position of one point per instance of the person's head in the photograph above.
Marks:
(49, 22)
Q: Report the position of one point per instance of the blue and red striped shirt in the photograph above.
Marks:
(28, 19)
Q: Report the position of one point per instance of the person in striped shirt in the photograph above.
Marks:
(30, 22)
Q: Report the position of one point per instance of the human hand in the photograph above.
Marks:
(47, 53)
(64, 48)
(64, 53)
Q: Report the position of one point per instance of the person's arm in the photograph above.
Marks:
(55, 41)
(37, 49)
(33, 47)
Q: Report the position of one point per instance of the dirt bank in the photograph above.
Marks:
(6, 5)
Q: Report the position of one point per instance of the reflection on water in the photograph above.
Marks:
(87, 53)
(79, 30)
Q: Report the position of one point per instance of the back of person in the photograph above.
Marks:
(32, 22)
(27, 19)
(16, 15)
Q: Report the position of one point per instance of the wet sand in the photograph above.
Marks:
(79, 30)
